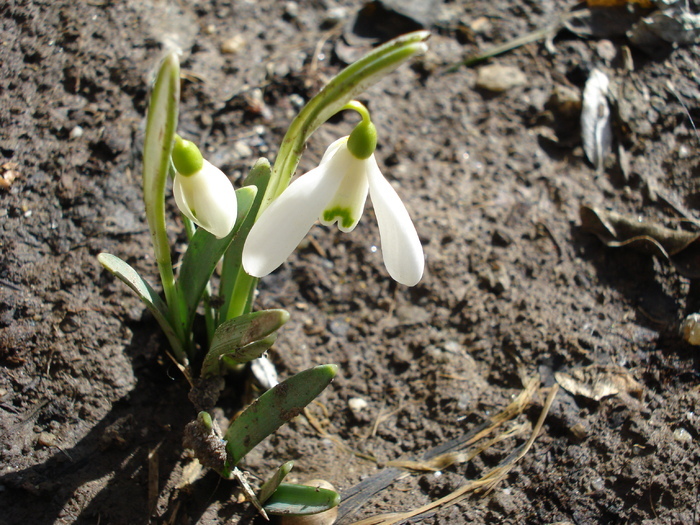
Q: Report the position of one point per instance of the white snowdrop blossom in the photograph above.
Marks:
(336, 191)
(202, 192)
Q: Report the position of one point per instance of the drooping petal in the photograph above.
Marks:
(208, 199)
(348, 203)
(401, 247)
(333, 149)
(181, 197)
(283, 225)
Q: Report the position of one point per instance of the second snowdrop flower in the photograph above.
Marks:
(336, 191)
(202, 191)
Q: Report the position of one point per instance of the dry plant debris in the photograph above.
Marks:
(679, 247)
(596, 382)
(486, 483)
(446, 455)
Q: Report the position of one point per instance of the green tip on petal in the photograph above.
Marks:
(343, 215)
(363, 140)
(186, 156)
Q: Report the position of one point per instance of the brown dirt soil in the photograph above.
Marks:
(91, 408)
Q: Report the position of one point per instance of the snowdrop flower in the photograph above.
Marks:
(202, 191)
(336, 191)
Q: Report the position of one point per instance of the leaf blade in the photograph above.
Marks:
(274, 408)
(237, 338)
(270, 486)
(124, 272)
(300, 500)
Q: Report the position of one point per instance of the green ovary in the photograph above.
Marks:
(343, 215)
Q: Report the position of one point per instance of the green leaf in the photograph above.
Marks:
(301, 500)
(203, 254)
(158, 142)
(237, 287)
(271, 484)
(147, 294)
(243, 339)
(252, 351)
(274, 408)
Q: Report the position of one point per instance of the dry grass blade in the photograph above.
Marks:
(448, 459)
(316, 424)
(516, 407)
(488, 482)
(356, 497)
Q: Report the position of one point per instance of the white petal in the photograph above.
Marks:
(180, 198)
(333, 149)
(208, 199)
(283, 225)
(401, 247)
(348, 202)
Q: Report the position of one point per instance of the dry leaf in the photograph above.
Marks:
(596, 129)
(690, 329)
(679, 247)
(595, 382)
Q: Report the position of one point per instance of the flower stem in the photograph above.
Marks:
(352, 81)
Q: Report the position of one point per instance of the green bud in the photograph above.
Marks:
(186, 157)
(205, 419)
(363, 140)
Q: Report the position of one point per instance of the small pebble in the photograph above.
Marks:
(498, 78)
(233, 45)
(566, 101)
(597, 484)
(357, 404)
(480, 25)
(296, 100)
(291, 10)
(410, 314)
(579, 431)
(682, 435)
(606, 50)
(242, 150)
(46, 439)
(76, 133)
(334, 16)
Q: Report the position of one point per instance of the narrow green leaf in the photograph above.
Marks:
(203, 254)
(237, 286)
(271, 484)
(158, 142)
(274, 408)
(147, 294)
(301, 500)
(241, 338)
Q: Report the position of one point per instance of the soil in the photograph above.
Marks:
(91, 408)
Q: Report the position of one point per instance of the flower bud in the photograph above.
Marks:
(202, 191)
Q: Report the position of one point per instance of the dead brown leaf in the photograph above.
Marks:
(596, 382)
(679, 247)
